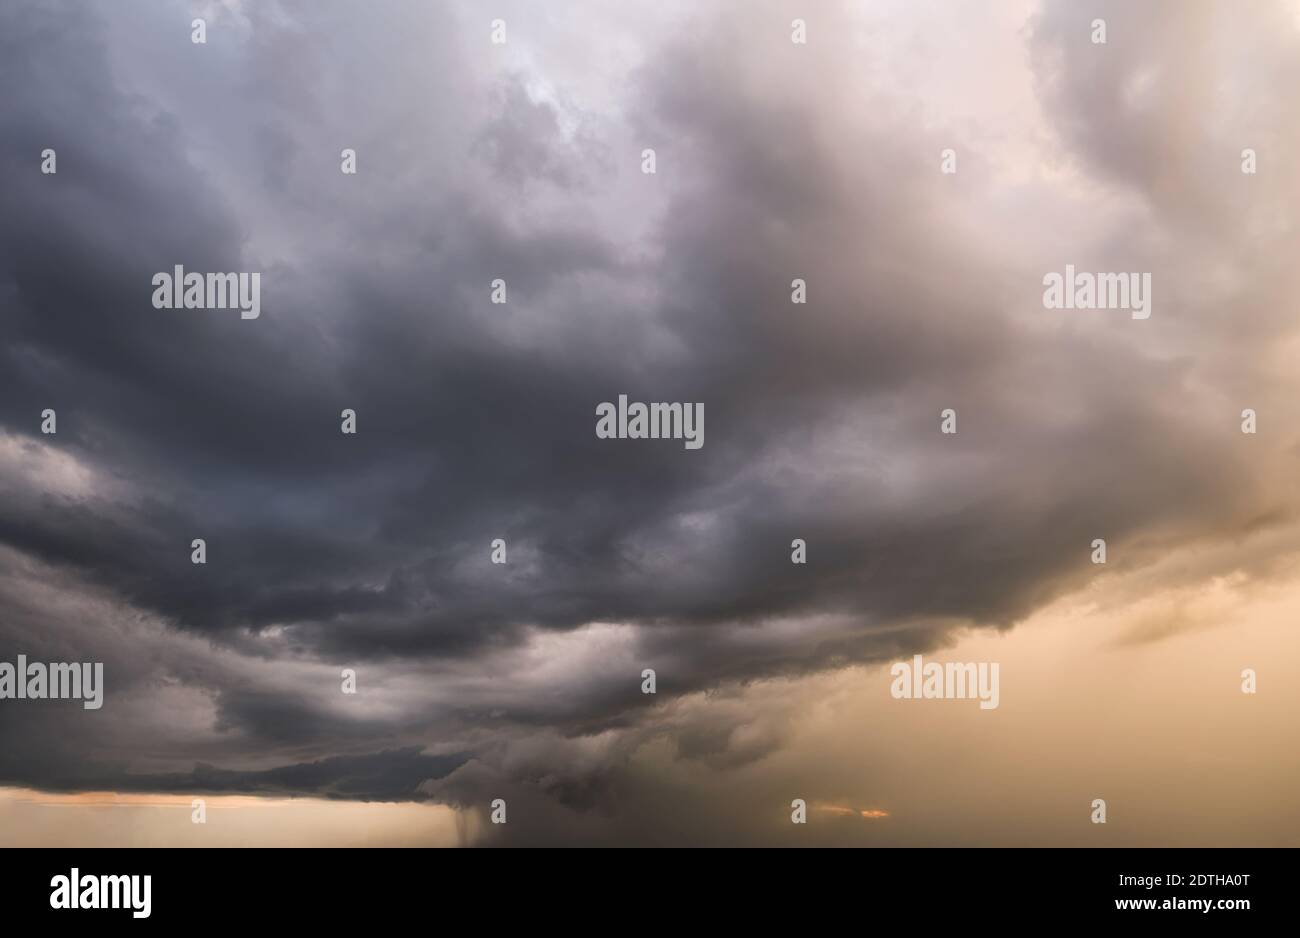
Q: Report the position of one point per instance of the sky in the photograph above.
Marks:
(475, 421)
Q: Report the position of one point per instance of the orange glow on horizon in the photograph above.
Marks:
(843, 811)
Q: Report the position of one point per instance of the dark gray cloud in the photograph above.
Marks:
(476, 421)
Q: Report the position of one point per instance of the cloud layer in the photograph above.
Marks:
(475, 421)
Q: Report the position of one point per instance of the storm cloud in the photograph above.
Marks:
(475, 420)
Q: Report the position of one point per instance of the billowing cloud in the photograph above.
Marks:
(522, 162)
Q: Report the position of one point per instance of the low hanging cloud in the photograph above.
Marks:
(775, 161)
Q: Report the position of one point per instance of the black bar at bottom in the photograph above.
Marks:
(656, 888)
